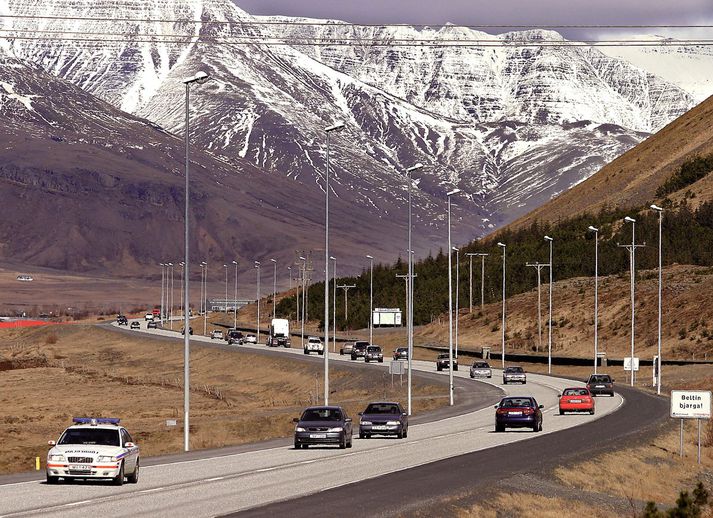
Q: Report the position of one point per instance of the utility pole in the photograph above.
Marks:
(549, 334)
(632, 272)
(457, 251)
(235, 302)
(257, 268)
(539, 267)
(346, 289)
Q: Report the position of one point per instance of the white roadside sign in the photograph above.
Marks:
(691, 404)
(628, 363)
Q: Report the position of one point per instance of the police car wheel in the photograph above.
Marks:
(134, 477)
(52, 480)
(119, 479)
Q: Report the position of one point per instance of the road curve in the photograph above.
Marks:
(270, 475)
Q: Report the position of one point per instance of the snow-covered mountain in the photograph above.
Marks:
(511, 126)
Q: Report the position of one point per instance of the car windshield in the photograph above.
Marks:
(600, 378)
(373, 349)
(481, 365)
(442, 356)
(514, 369)
(321, 414)
(314, 340)
(382, 408)
(516, 402)
(402, 350)
(575, 392)
(101, 436)
(361, 344)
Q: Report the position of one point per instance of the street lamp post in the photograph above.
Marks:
(549, 323)
(289, 270)
(199, 78)
(257, 270)
(632, 271)
(205, 297)
(183, 272)
(171, 303)
(162, 265)
(457, 251)
(225, 268)
(409, 285)
(658, 360)
(596, 296)
(304, 287)
(503, 246)
(336, 127)
(235, 298)
(450, 301)
(334, 305)
(371, 298)
(274, 287)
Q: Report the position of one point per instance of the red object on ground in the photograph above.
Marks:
(24, 323)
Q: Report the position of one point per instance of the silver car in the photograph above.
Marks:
(481, 369)
(514, 375)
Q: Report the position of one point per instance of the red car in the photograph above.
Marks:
(577, 399)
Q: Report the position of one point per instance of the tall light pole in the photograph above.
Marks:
(334, 305)
(163, 268)
(409, 284)
(257, 269)
(450, 301)
(289, 271)
(183, 272)
(457, 251)
(549, 324)
(482, 278)
(658, 360)
(371, 299)
(596, 295)
(274, 287)
(336, 127)
(503, 246)
(171, 303)
(225, 267)
(632, 271)
(205, 297)
(304, 286)
(235, 301)
(199, 78)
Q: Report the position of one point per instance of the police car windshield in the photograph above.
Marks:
(100, 436)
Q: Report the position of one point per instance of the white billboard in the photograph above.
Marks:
(691, 404)
(628, 363)
(386, 317)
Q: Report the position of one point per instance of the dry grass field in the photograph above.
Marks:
(49, 374)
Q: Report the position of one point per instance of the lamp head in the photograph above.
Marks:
(657, 208)
(257, 264)
(235, 262)
(629, 220)
(592, 229)
(451, 193)
(336, 127)
(414, 168)
(456, 249)
(200, 78)
(369, 257)
(273, 260)
(503, 245)
(548, 238)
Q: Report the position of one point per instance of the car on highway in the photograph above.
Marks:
(401, 353)
(152, 325)
(576, 399)
(518, 412)
(148, 317)
(481, 369)
(320, 425)
(135, 325)
(600, 384)
(122, 320)
(216, 334)
(383, 418)
(190, 330)
(359, 349)
(314, 345)
(346, 349)
(250, 339)
(234, 337)
(374, 354)
(514, 374)
(443, 360)
(93, 448)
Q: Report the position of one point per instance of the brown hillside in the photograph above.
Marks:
(632, 179)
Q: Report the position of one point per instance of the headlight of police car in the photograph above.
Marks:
(392, 423)
(368, 423)
(106, 458)
(56, 457)
(336, 429)
(300, 429)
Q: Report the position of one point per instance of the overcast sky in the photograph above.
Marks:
(473, 12)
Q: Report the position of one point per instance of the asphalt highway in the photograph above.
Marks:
(276, 475)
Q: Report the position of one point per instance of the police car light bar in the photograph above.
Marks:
(96, 420)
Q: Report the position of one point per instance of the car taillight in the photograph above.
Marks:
(528, 411)
(501, 411)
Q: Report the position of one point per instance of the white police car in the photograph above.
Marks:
(94, 448)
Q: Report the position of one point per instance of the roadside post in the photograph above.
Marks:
(655, 370)
(691, 404)
(396, 367)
